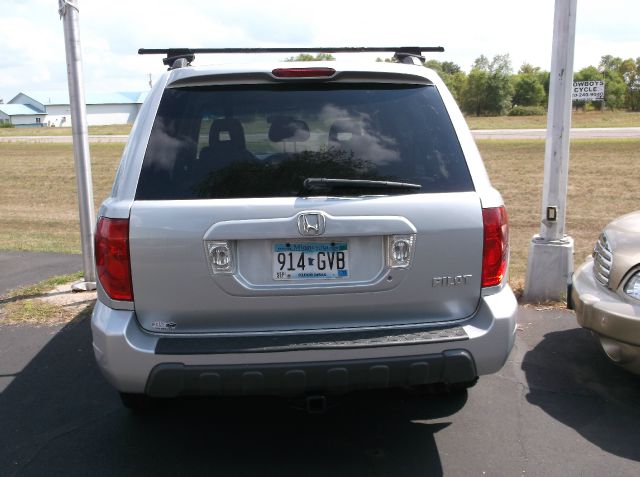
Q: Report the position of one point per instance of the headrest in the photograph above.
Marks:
(227, 130)
(284, 128)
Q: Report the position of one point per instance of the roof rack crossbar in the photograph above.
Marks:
(174, 54)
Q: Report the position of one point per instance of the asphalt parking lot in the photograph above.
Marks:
(556, 408)
(24, 268)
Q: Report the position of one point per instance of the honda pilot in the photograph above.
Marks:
(300, 229)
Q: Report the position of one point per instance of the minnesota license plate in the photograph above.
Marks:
(310, 260)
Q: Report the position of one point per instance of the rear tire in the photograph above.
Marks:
(137, 403)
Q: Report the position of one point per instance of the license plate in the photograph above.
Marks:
(310, 260)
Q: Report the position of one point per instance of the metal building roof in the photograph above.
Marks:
(48, 98)
(20, 110)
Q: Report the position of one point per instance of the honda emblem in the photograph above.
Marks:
(311, 224)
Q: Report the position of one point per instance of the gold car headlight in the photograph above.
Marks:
(632, 288)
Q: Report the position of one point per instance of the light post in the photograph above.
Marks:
(551, 251)
(68, 10)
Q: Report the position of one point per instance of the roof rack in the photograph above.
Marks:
(180, 57)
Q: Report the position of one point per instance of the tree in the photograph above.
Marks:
(541, 75)
(528, 69)
(528, 90)
(474, 93)
(545, 79)
(450, 68)
(615, 90)
(308, 57)
(488, 90)
(629, 71)
(434, 65)
(451, 74)
(588, 74)
(444, 67)
(499, 88)
(456, 83)
(632, 80)
(627, 67)
(612, 70)
(481, 63)
(609, 63)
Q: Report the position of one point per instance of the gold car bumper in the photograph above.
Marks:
(615, 321)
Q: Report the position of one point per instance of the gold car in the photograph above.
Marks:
(606, 291)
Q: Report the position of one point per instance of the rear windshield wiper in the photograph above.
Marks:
(312, 183)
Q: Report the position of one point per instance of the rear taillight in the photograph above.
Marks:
(112, 258)
(495, 254)
(303, 72)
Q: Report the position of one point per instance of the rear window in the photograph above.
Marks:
(265, 140)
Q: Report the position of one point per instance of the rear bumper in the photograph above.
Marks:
(613, 320)
(135, 361)
(293, 379)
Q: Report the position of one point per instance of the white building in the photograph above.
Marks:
(102, 108)
(21, 115)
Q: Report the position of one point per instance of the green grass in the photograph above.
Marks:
(38, 202)
(24, 306)
(44, 286)
(115, 129)
(603, 184)
(40, 313)
(33, 312)
(38, 208)
(591, 119)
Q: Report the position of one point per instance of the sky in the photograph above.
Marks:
(33, 56)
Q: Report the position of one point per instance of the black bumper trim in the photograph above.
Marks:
(294, 379)
(176, 345)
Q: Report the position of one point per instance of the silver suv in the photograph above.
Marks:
(300, 229)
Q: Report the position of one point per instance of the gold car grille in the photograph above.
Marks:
(602, 259)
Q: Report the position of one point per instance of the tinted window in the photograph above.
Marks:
(264, 141)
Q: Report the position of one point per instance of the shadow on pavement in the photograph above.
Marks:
(570, 379)
(60, 417)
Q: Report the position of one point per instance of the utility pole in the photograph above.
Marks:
(551, 252)
(69, 12)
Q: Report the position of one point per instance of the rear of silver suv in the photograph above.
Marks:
(298, 229)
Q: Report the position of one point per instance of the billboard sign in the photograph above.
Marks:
(592, 90)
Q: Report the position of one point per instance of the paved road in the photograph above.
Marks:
(577, 133)
(25, 268)
(64, 139)
(556, 408)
